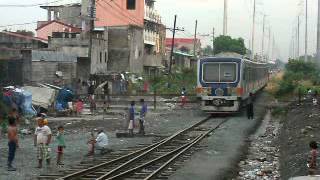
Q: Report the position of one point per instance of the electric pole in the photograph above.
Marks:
(306, 35)
(253, 28)
(195, 39)
(172, 45)
(269, 43)
(263, 28)
(298, 38)
(318, 35)
(225, 18)
(92, 19)
(213, 34)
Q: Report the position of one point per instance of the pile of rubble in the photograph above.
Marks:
(263, 156)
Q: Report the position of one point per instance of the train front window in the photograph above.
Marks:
(211, 72)
(228, 72)
(219, 72)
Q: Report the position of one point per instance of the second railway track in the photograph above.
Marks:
(156, 161)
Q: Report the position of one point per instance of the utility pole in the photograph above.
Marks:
(318, 35)
(92, 19)
(269, 43)
(263, 28)
(225, 18)
(195, 39)
(172, 45)
(172, 42)
(253, 28)
(306, 35)
(298, 38)
(213, 34)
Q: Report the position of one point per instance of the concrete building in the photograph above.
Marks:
(45, 30)
(125, 49)
(184, 45)
(77, 44)
(139, 13)
(53, 67)
(68, 14)
(15, 56)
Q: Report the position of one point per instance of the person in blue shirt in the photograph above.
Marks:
(143, 113)
(131, 118)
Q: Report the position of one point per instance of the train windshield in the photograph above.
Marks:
(219, 72)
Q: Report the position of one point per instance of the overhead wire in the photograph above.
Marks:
(34, 22)
(28, 5)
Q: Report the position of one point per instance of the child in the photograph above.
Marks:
(312, 161)
(61, 145)
(79, 107)
(13, 142)
(42, 139)
(91, 143)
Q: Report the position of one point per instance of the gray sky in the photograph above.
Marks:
(281, 15)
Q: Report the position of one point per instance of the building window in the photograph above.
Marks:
(105, 57)
(131, 4)
(100, 57)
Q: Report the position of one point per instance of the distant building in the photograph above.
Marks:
(184, 45)
(140, 13)
(126, 49)
(15, 55)
(45, 30)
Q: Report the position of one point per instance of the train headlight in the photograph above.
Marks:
(219, 92)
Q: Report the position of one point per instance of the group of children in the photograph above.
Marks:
(42, 140)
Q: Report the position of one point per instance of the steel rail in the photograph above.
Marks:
(152, 149)
(123, 174)
(160, 169)
(143, 152)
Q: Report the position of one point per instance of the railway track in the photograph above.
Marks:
(156, 161)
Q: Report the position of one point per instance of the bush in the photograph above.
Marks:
(298, 76)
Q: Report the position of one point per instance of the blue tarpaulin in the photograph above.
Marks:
(64, 96)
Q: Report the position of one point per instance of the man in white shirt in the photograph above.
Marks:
(102, 141)
(42, 139)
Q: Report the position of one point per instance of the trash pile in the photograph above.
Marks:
(263, 156)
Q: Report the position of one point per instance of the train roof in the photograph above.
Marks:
(241, 58)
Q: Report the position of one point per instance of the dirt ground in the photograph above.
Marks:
(77, 133)
(300, 126)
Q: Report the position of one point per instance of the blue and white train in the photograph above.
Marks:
(224, 83)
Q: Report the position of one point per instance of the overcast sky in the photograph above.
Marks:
(281, 16)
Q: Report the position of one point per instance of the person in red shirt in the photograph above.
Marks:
(312, 161)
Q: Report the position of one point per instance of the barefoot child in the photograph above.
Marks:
(13, 142)
(61, 145)
(91, 144)
(312, 161)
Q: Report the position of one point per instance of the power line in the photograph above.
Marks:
(28, 5)
(128, 15)
(34, 22)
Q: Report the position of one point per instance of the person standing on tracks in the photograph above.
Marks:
(131, 119)
(250, 112)
(312, 159)
(143, 113)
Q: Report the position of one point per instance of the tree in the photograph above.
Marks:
(207, 50)
(228, 44)
(25, 33)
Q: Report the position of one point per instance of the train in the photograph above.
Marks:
(224, 83)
